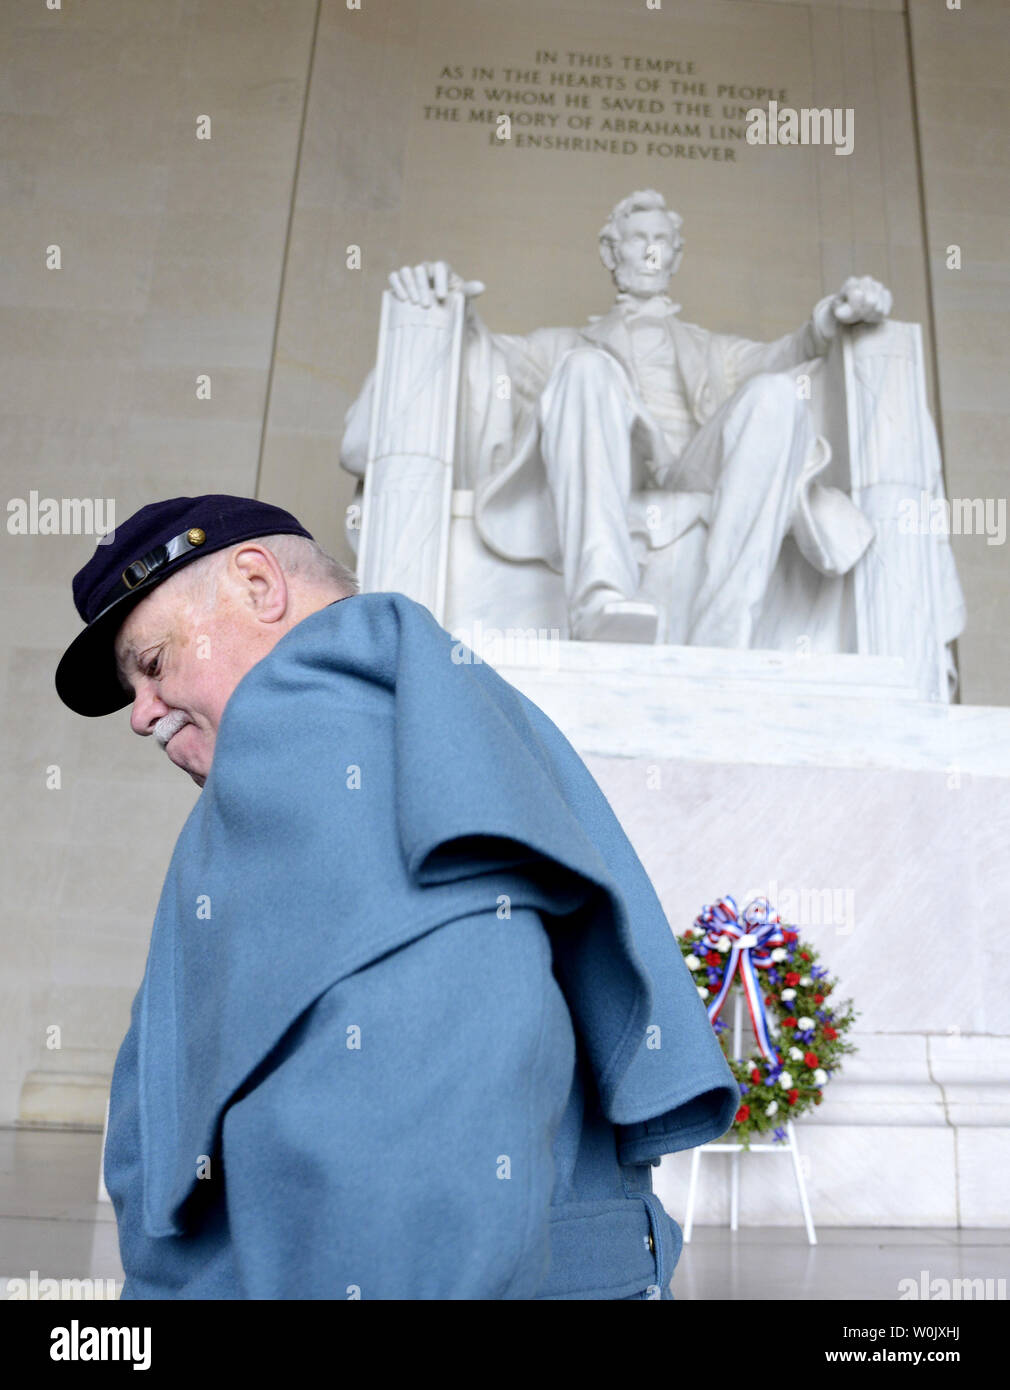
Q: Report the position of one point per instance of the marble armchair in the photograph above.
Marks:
(412, 523)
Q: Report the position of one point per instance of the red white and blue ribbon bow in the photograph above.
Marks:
(753, 935)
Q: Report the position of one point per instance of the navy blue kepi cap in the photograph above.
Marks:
(128, 563)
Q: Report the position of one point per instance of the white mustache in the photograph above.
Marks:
(170, 725)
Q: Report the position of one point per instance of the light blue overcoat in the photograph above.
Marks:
(413, 1024)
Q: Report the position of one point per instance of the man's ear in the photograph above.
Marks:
(264, 580)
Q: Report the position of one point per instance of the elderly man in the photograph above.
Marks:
(637, 400)
(413, 1024)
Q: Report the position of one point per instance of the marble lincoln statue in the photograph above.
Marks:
(593, 417)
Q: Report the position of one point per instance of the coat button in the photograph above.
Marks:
(652, 1244)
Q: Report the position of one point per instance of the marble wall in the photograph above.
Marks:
(172, 257)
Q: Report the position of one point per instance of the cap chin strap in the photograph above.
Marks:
(141, 569)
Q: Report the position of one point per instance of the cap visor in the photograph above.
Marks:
(86, 679)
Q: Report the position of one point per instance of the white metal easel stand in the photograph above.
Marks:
(103, 1192)
(735, 1149)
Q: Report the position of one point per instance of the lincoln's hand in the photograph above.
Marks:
(429, 282)
(860, 300)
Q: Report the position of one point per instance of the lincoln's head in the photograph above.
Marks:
(641, 243)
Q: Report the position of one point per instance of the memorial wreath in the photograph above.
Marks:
(799, 1028)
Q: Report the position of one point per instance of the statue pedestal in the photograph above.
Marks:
(877, 824)
(716, 704)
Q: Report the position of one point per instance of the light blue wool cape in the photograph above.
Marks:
(413, 1024)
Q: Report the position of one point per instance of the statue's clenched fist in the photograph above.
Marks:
(430, 282)
(862, 300)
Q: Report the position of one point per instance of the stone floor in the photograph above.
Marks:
(51, 1222)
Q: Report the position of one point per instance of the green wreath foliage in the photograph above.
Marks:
(810, 1056)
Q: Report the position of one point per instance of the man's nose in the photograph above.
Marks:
(148, 708)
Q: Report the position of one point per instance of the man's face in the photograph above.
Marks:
(183, 664)
(647, 254)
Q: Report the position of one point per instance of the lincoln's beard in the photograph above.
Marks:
(642, 281)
